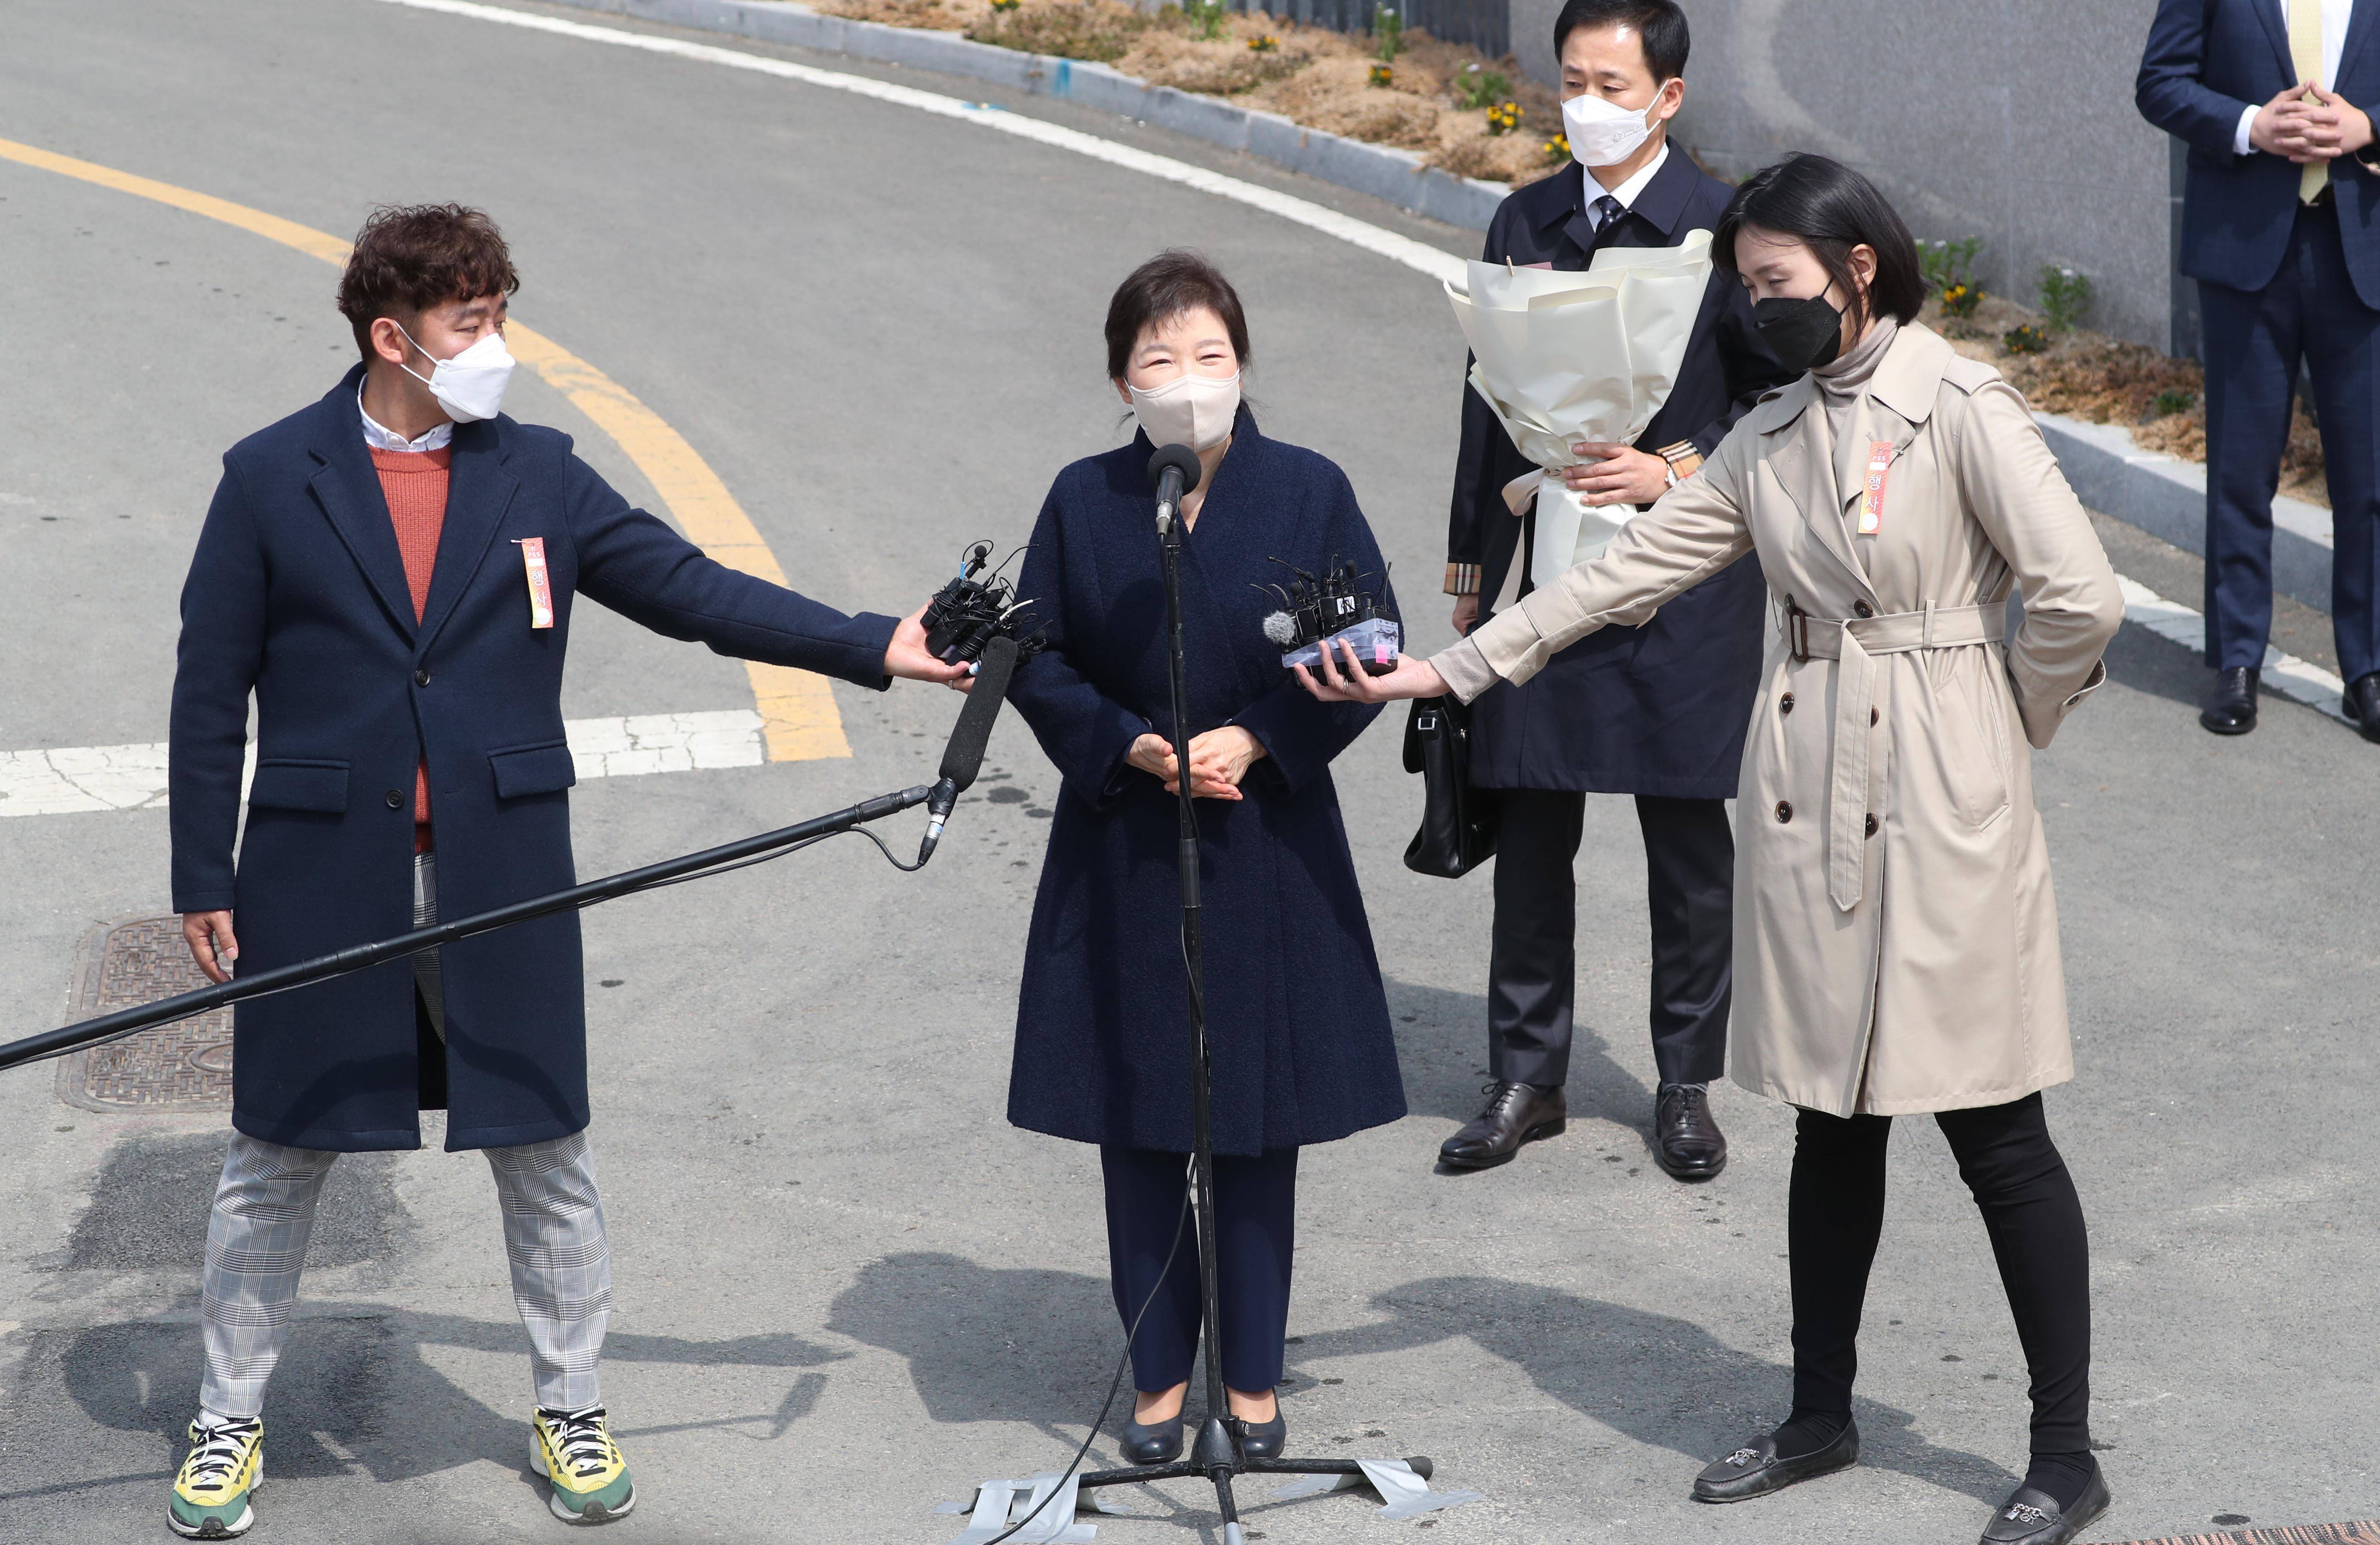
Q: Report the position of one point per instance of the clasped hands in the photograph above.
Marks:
(2304, 131)
(1219, 759)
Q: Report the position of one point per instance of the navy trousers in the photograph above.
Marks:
(1256, 1218)
(2254, 342)
(1532, 950)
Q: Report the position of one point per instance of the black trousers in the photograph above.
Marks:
(1256, 1226)
(1533, 963)
(1835, 1212)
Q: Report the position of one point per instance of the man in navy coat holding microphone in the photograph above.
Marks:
(1658, 712)
(391, 574)
(2280, 226)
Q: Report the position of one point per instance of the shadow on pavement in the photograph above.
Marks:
(1663, 1381)
(1442, 1049)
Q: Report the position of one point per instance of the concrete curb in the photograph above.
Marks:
(2166, 496)
(1397, 176)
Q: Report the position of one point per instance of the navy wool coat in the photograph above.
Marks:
(1661, 708)
(1297, 1025)
(296, 594)
(2206, 61)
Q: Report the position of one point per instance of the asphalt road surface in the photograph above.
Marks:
(846, 1289)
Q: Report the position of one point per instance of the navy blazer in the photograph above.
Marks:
(1297, 1021)
(297, 595)
(1657, 710)
(2207, 62)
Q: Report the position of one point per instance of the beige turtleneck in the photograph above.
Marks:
(1842, 385)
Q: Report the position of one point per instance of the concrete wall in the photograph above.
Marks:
(2008, 120)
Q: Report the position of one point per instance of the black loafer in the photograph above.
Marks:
(2032, 1517)
(1754, 1470)
(1687, 1143)
(1262, 1440)
(1516, 1113)
(1158, 1443)
(2231, 710)
(2362, 704)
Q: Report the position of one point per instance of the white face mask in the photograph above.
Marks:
(1602, 133)
(1190, 409)
(472, 385)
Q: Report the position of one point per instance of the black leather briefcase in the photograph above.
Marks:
(1458, 821)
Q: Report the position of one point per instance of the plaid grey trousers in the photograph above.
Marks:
(265, 1213)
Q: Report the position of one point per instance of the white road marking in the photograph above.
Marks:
(83, 778)
(1416, 255)
(2284, 673)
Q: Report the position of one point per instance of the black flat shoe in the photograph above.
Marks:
(1262, 1440)
(1754, 1471)
(2231, 710)
(1516, 1113)
(1687, 1143)
(1158, 1443)
(2032, 1517)
(2362, 704)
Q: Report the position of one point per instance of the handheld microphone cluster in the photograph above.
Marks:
(974, 608)
(1175, 471)
(1318, 613)
(962, 758)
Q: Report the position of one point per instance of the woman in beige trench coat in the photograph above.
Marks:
(1896, 938)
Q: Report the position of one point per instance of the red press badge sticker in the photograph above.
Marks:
(541, 588)
(1880, 458)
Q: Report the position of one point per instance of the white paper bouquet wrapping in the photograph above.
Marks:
(1569, 357)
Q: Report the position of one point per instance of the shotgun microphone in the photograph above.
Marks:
(962, 758)
(1175, 472)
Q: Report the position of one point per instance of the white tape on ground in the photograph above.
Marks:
(81, 778)
(2284, 673)
(1413, 254)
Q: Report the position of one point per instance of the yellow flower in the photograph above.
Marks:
(1381, 74)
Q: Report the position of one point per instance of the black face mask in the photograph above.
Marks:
(1803, 334)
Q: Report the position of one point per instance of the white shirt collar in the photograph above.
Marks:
(1630, 192)
(382, 439)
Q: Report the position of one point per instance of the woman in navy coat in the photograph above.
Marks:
(1297, 1021)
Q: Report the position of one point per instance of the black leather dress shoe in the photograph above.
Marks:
(1516, 1113)
(1686, 1141)
(1158, 1443)
(2233, 708)
(2032, 1517)
(1262, 1440)
(1754, 1470)
(2362, 704)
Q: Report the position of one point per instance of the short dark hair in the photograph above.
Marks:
(1166, 285)
(1831, 209)
(408, 258)
(1660, 27)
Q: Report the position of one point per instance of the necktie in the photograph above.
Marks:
(1607, 209)
(2305, 57)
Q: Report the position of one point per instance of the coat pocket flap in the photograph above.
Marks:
(284, 785)
(541, 769)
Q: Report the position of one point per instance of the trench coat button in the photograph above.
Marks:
(1873, 714)
(1871, 826)
(1784, 811)
(421, 678)
(1863, 608)
(1785, 703)
(396, 800)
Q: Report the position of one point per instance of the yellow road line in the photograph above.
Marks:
(799, 715)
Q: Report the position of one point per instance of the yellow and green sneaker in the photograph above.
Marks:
(224, 1468)
(573, 1451)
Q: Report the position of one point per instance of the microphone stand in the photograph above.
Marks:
(1216, 1455)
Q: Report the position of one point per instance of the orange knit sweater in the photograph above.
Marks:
(414, 485)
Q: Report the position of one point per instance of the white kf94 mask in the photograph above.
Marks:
(472, 385)
(1193, 411)
(1602, 133)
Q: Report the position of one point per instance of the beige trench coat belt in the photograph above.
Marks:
(1856, 641)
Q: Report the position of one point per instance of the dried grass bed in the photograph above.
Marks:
(1312, 76)
(2106, 380)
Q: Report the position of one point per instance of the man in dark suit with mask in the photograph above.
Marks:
(2280, 226)
(1656, 711)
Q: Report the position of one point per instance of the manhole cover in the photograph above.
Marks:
(182, 1066)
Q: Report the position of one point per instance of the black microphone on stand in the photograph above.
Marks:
(1175, 471)
(962, 758)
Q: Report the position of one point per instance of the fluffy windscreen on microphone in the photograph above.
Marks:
(1282, 629)
(962, 758)
(1182, 459)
